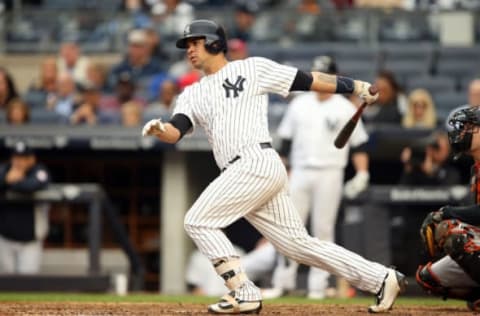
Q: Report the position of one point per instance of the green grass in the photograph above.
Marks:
(156, 298)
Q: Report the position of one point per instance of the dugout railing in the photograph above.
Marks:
(93, 196)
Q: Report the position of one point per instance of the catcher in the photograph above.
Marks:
(453, 233)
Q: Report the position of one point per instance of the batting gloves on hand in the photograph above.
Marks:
(153, 127)
(357, 184)
(361, 88)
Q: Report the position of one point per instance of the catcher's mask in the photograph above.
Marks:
(461, 124)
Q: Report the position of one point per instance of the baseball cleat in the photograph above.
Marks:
(228, 304)
(394, 284)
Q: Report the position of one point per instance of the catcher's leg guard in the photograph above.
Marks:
(429, 281)
(465, 250)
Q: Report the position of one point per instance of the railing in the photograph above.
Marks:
(97, 201)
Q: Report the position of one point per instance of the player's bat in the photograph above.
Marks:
(347, 130)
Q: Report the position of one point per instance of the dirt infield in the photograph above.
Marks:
(141, 309)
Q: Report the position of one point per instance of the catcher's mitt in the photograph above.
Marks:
(427, 232)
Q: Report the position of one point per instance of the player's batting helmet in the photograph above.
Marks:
(214, 35)
(461, 124)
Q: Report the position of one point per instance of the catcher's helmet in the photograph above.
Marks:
(461, 124)
(214, 35)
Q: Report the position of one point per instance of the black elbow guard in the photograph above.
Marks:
(182, 123)
(302, 82)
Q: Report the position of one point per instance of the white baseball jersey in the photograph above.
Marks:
(312, 125)
(231, 105)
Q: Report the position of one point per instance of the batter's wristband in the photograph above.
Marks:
(345, 85)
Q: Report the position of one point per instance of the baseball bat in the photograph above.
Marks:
(347, 130)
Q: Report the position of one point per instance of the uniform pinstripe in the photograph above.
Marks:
(255, 186)
(317, 170)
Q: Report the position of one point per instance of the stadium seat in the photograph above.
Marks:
(267, 50)
(458, 68)
(43, 116)
(302, 64)
(432, 84)
(447, 101)
(408, 52)
(348, 52)
(304, 51)
(406, 69)
(402, 26)
(357, 69)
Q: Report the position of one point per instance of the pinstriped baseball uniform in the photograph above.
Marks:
(317, 170)
(231, 105)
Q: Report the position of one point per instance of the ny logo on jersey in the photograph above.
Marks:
(332, 125)
(236, 87)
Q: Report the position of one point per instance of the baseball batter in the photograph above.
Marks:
(308, 130)
(230, 103)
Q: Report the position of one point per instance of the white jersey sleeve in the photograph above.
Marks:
(274, 77)
(184, 105)
(359, 135)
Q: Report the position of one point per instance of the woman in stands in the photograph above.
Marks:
(421, 111)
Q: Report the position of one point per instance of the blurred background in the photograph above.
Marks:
(79, 78)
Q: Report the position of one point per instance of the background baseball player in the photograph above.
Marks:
(24, 224)
(230, 103)
(308, 131)
(453, 233)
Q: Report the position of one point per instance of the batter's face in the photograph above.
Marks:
(197, 54)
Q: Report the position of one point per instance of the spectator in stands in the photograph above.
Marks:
(165, 103)
(97, 75)
(237, 49)
(71, 61)
(421, 111)
(86, 111)
(170, 16)
(65, 97)
(41, 91)
(138, 62)
(8, 90)
(18, 112)
(131, 114)
(474, 92)
(390, 104)
(245, 17)
(124, 92)
(24, 224)
(156, 47)
(426, 162)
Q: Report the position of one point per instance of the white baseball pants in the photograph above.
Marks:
(255, 187)
(20, 257)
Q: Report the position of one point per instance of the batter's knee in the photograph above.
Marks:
(429, 281)
(189, 225)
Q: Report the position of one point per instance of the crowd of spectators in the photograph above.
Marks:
(73, 88)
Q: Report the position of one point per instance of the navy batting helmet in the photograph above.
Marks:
(214, 35)
(461, 123)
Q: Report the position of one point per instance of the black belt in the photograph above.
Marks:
(262, 145)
